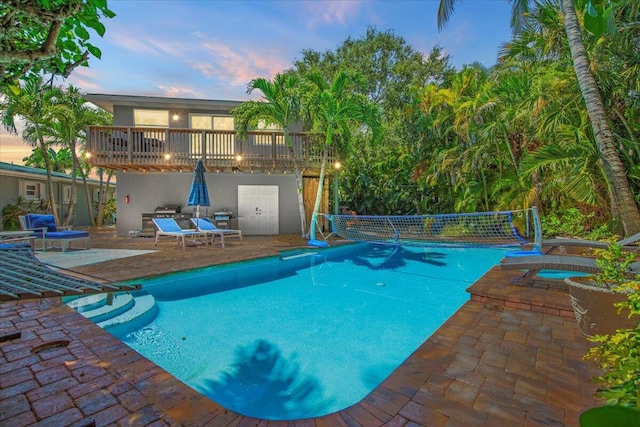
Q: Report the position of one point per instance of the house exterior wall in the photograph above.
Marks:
(10, 190)
(153, 188)
(149, 190)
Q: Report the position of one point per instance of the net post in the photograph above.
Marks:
(537, 229)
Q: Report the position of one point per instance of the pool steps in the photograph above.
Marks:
(126, 311)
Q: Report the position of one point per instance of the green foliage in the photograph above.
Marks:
(61, 160)
(618, 355)
(455, 230)
(619, 416)
(571, 222)
(45, 36)
(21, 206)
(614, 265)
(110, 210)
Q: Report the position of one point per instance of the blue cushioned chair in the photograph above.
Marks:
(45, 230)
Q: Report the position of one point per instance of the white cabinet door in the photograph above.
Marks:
(258, 209)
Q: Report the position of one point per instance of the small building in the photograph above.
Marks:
(30, 184)
(156, 142)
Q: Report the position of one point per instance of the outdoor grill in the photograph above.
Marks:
(165, 211)
(222, 218)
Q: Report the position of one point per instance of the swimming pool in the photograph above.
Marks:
(306, 334)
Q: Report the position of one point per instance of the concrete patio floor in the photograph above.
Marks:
(511, 356)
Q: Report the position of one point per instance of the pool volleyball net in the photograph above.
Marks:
(503, 228)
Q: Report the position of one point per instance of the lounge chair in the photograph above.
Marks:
(169, 227)
(535, 263)
(630, 243)
(45, 230)
(204, 225)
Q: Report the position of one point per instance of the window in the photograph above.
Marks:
(66, 194)
(218, 146)
(31, 190)
(268, 138)
(151, 118)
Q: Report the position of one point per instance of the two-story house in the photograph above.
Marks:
(154, 146)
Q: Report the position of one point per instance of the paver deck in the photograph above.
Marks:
(511, 356)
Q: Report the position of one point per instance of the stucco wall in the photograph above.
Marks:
(9, 191)
(148, 190)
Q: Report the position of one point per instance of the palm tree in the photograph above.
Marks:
(621, 196)
(35, 104)
(333, 109)
(281, 107)
(67, 129)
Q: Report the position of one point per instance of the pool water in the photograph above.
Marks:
(306, 334)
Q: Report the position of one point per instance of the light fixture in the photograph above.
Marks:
(175, 116)
(87, 155)
(239, 158)
(337, 165)
(167, 156)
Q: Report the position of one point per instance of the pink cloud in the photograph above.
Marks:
(318, 13)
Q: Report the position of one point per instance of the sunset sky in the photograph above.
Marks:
(211, 49)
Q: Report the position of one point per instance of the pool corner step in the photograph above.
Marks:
(104, 311)
(141, 313)
(83, 304)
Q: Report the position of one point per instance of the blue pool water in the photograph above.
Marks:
(303, 336)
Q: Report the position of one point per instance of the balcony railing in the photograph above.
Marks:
(140, 148)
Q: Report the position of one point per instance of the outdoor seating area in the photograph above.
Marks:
(168, 227)
(206, 226)
(47, 233)
(511, 355)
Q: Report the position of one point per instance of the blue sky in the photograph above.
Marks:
(211, 49)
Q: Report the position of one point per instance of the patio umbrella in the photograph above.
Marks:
(198, 195)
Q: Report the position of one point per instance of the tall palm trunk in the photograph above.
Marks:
(298, 174)
(50, 189)
(316, 207)
(87, 191)
(622, 199)
(74, 170)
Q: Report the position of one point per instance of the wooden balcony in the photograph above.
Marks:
(171, 149)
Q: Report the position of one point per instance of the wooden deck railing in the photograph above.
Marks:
(166, 149)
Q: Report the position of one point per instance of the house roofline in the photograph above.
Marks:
(21, 171)
(107, 101)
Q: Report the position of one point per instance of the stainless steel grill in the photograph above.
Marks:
(166, 211)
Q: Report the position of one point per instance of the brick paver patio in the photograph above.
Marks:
(511, 356)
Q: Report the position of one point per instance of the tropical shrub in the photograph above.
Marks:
(573, 223)
(618, 355)
(21, 206)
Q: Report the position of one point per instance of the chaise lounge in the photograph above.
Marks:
(169, 227)
(45, 230)
(630, 243)
(206, 226)
(535, 263)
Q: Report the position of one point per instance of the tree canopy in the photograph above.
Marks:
(48, 36)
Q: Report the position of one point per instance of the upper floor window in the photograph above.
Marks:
(152, 118)
(217, 145)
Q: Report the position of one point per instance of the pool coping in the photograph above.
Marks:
(494, 362)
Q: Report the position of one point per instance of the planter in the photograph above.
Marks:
(594, 308)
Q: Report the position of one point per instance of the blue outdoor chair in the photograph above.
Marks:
(45, 230)
(169, 227)
(203, 224)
